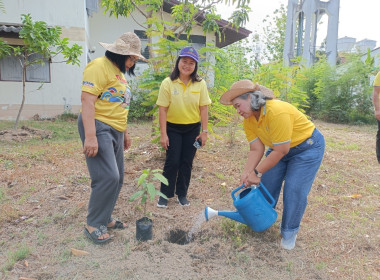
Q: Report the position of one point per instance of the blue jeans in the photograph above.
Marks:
(297, 169)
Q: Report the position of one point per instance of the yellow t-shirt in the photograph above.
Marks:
(279, 123)
(183, 101)
(103, 79)
(376, 83)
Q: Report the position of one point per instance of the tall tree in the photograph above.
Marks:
(41, 44)
(274, 34)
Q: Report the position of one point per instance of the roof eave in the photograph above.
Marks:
(229, 33)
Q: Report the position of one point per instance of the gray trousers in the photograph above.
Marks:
(106, 171)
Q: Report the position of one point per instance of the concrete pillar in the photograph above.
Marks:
(312, 10)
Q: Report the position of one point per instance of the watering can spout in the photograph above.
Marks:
(254, 205)
(234, 215)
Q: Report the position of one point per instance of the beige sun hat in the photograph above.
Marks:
(127, 44)
(240, 87)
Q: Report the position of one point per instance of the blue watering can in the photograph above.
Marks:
(253, 209)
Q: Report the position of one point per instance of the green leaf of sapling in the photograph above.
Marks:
(142, 179)
(161, 194)
(136, 195)
(151, 191)
(161, 178)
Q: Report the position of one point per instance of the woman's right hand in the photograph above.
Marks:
(90, 147)
(164, 141)
(243, 178)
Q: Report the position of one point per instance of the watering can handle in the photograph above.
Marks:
(236, 190)
(272, 202)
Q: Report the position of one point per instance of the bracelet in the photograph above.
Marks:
(205, 130)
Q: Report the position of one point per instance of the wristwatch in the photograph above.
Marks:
(258, 174)
(205, 130)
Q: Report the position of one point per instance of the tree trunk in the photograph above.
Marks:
(23, 94)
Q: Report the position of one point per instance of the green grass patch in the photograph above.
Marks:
(236, 232)
(65, 255)
(330, 217)
(8, 164)
(2, 194)
(62, 130)
(21, 253)
(341, 145)
(220, 176)
(321, 266)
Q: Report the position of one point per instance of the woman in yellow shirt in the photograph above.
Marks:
(102, 126)
(183, 110)
(295, 151)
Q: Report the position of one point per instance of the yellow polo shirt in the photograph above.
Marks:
(279, 123)
(103, 79)
(182, 100)
(376, 83)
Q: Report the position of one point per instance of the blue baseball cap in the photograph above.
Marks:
(190, 52)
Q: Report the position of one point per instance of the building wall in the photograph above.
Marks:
(63, 92)
(64, 88)
(107, 29)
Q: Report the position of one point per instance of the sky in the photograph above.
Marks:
(360, 21)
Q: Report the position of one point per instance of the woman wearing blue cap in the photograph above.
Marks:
(183, 116)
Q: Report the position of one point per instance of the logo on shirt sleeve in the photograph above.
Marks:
(88, 84)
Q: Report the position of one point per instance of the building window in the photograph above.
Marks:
(197, 41)
(144, 44)
(11, 70)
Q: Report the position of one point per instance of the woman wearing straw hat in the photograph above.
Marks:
(183, 111)
(102, 126)
(295, 151)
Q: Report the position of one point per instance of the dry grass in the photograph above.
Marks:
(44, 190)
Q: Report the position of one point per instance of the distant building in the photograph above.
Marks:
(346, 44)
(349, 44)
(363, 45)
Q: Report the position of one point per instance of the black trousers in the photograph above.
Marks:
(378, 142)
(179, 158)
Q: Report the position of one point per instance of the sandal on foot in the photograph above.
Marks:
(94, 236)
(117, 225)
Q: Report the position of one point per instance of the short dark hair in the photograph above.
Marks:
(194, 76)
(119, 60)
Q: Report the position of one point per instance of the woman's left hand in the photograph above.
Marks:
(127, 141)
(203, 137)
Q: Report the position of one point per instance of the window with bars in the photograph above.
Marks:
(11, 69)
(197, 41)
(144, 44)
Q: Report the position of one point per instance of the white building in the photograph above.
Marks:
(62, 83)
(349, 44)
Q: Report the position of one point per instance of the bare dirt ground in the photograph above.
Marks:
(44, 190)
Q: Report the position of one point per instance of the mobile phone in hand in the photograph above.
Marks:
(198, 143)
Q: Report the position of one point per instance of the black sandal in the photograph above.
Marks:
(94, 236)
(117, 225)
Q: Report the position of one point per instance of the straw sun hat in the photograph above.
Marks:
(127, 44)
(241, 87)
